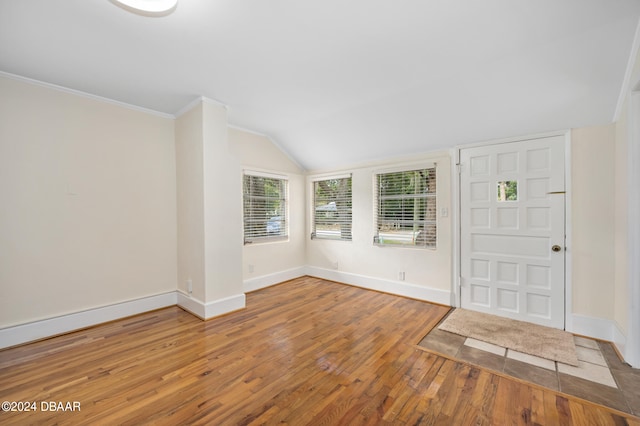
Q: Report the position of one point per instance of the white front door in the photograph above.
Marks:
(513, 230)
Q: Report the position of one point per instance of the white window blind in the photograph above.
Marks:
(332, 209)
(406, 208)
(265, 208)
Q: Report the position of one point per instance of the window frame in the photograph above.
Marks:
(251, 236)
(341, 236)
(429, 228)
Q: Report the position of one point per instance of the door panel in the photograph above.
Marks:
(512, 214)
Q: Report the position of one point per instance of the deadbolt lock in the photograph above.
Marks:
(556, 248)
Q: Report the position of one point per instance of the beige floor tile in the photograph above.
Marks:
(532, 359)
(594, 356)
(488, 347)
(584, 342)
(588, 371)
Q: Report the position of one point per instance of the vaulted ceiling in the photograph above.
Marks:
(337, 82)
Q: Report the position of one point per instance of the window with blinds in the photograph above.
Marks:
(406, 208)
(265, 208)
(332, 209)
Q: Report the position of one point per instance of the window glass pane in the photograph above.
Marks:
(265, 208)
(406, 208)
(332, 209)
(508, 190)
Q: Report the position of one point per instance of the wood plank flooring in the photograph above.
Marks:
(307, 351)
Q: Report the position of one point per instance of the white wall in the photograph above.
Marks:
(223, 231)
(272, 262)
(209, 213)
(87, 214)
(627, 284)
(190, 202)
(360, 262)
(593, 219)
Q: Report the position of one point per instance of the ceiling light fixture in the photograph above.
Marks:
(148, 7)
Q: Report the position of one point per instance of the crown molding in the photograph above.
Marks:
(197, 101)
(84, 94)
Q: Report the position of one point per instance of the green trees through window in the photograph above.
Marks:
(508, 190)
(406, 208)
(264, 208)
(332, 209)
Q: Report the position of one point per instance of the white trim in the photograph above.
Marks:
(624, 89)
(457, 255)
(400, 288)
(276, 144)
(211, 309)
(194, 103)
(190, 304)
(244, 129)
(632, 349)
(41, 329)
(523, 138)
(328, 176)
(418, 157)
(85, 95)
(264, 174)
(268, 280)
(597, 328)
(407, 167)
(568, 232)
(619, 339)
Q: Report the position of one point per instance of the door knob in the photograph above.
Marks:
(556, 248)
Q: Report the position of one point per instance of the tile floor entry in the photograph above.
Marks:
(600, 377)
(592, 365)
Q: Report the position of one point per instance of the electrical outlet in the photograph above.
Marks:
(189, 286)
(401, 276)
(250, 268)
(335, 265)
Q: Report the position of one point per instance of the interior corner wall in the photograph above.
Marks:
(270, 263)
(223, 230)
(87, 190)
(209, 213)
(593, 219)
(103, 204)
(427, 272)
(190, 202)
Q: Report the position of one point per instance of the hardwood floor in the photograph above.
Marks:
(307, 351)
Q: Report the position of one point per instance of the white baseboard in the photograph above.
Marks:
(36, 330)
(210, 309)
(619, 339)
(263, 281)
(399, 288)
(597, 328)
(23, 333)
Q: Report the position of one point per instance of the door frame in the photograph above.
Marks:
(456, 209)
(632, 344)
